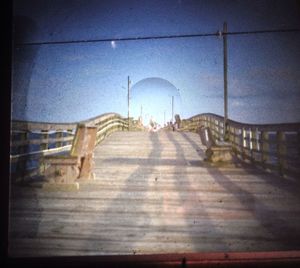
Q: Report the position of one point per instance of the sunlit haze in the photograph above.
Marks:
(68, 82)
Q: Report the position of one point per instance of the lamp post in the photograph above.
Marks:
(225, 130)
(172, 109)
(128, 100)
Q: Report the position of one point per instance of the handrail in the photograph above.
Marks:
(30, 141)
(274, 147)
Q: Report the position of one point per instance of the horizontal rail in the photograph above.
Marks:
(272, 146)
(41, 141)
(18, 126)
(31, 141)
(41, 153)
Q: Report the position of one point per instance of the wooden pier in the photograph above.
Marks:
(154, 193)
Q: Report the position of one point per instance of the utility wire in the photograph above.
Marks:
(264, 31)
(219, 33)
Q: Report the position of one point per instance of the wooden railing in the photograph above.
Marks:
(274, 147)
(30, 141)
(106, 124)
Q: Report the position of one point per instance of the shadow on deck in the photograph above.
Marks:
(154, 193)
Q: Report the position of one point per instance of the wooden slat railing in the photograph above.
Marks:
(30, 141)
(273, 146)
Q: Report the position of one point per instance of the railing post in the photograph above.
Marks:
(244, 143)
(58, 135)
(217, 125)
(257, 138)
(244, 135)
(234, 139)
(239, 140)
(231, 134)
(220, 129)
(215, 129)
(253, 146)
(281, 152)
(70, 132)
(22, 162)
(200, 121)
(265, 148)
(250, 139)
(23, 137)
(45, 135)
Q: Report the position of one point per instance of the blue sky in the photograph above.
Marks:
(71, 82)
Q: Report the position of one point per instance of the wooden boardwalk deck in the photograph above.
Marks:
(153, 193)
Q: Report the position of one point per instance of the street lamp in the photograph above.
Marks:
(128, 98)
(172, 108)
(225, 129)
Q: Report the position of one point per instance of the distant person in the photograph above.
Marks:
(172, 125)
(178, 121)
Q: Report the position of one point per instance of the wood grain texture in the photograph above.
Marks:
(154, 193)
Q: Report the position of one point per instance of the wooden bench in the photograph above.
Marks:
(66, 169)
(217, 151)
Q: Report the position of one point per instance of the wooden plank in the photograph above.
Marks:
(153, 193)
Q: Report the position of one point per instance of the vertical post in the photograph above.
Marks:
(230, 136)
(70, 132)
(214, 128)
(172, 109)
(250, 140)
(234, 139)
(58, 136)
(218, 128)
(257, 137)
(43, 146)
(164, 118)
(225, 136)
(239, 141)
(244, 143)
(265, 148)
(22, 162)
(281, 151)
(23, 148)
(128, 82)
(45, 136)
(253, 144)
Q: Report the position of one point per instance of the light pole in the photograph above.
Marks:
(128, 100)
(172, 108)
(225, 130)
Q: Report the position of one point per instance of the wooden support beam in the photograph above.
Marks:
(265, 147)
(281, 151)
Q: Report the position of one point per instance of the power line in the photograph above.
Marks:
(264, 31)
(219, 33)
(116, 39)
